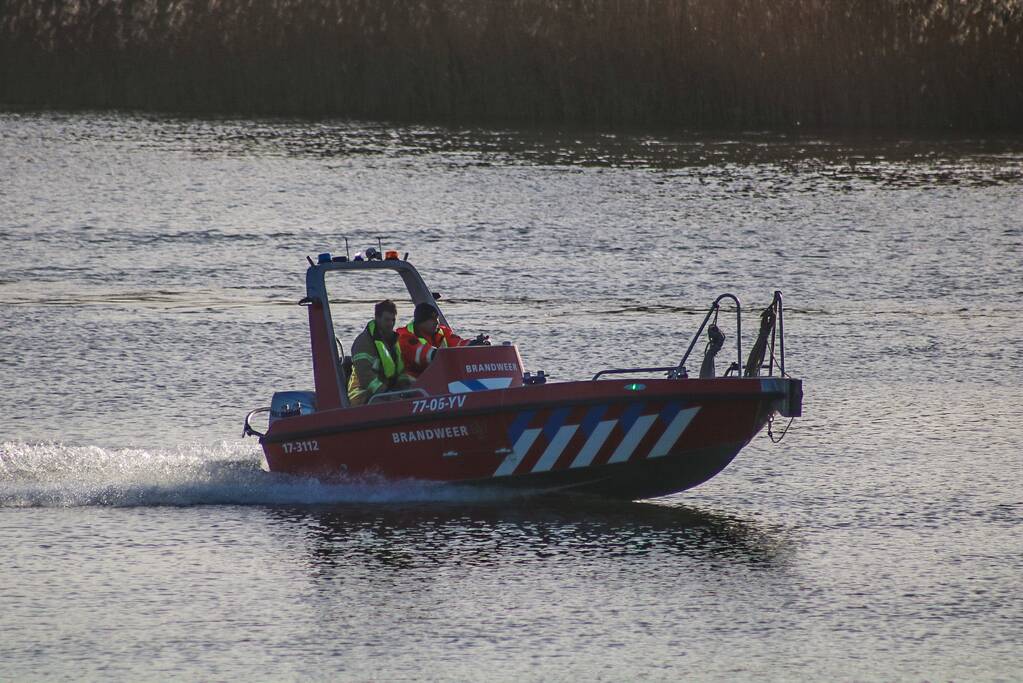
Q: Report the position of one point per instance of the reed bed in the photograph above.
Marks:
(857, 64)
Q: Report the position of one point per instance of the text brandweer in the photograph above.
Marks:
(430, 434)
(490, 367)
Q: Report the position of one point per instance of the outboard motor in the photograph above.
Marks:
(292, 403)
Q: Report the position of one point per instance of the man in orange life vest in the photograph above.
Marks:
(420, 339)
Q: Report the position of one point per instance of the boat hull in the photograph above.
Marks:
(615, 439)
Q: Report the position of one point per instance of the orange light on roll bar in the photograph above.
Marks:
(391, 255)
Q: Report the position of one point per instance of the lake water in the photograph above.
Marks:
(149, 274)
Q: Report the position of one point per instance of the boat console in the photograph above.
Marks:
(472, 368)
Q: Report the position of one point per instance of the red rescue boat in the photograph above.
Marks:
(475, 418)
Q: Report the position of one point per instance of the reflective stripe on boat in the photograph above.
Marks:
(673, 432)
(632, 438)
(557, 434)
(592, 435)
(555, 448)
(467, 385)
(522, 446)
(596, 432)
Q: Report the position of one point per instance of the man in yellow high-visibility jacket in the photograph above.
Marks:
(376, 358)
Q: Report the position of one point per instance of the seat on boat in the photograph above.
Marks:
(344, 364)
(345, 369)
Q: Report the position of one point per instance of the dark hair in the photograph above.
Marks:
(385, 305)
(423, 312)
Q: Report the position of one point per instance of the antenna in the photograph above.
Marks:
(380, 245)
(347, 253)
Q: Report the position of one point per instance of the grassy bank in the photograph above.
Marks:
(857, 64)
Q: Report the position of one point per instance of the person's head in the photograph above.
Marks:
(385, 314)
(426, 319)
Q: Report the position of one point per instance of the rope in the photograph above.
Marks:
(774, 357)
(770, 432)
(713, 323)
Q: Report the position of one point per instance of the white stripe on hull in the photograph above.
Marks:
(673, 432)
(519, 450)
(639, 429)
(593, 444)
(556, 447)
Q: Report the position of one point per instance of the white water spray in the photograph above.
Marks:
(58, 475)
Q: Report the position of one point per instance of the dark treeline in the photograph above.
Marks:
(923, 64)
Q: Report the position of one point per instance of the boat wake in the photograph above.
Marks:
(59, 475)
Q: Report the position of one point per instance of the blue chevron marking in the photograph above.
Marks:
(555, 422)
(630, 416)
(669, 411)
(592, 419)
(519, 425)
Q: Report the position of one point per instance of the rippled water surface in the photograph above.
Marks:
(148, 284)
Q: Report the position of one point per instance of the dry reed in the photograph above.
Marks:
(696, 63)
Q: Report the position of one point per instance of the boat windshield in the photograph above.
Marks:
(353, 295)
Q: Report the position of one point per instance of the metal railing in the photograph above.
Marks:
(780, 327)
(679, 371)
(714, 310)
(625, 371)
(248, 429)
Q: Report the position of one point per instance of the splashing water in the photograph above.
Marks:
(59, 475)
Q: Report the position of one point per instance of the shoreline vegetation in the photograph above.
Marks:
(777, 64)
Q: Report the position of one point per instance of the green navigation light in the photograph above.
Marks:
(635, 387)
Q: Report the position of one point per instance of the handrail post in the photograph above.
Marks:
(738, 325)
(738, 329)
(781, 332)
(738, 333)
(696, 337)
